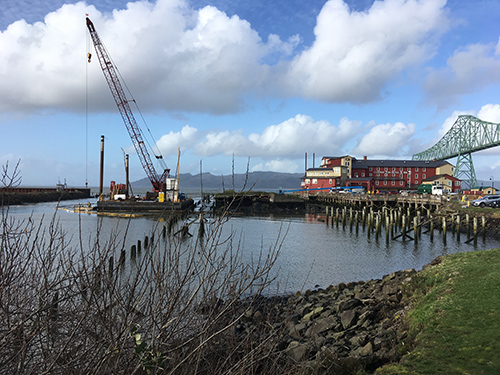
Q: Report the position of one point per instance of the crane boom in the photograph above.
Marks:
(122, 103)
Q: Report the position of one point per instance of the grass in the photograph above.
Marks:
(455, 321)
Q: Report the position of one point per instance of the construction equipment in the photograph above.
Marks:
(158, 181)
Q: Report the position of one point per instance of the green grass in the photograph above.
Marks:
(455, 321)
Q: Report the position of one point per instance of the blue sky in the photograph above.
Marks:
(262, 80)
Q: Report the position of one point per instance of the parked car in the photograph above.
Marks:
(495, 203)
(483, 201)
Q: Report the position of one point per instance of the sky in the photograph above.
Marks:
(242, 84)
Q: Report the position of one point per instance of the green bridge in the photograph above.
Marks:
(467, 135)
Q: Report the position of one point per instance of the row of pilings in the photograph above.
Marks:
(169, 229)
(405, 223)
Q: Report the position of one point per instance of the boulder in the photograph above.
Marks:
(348, 318)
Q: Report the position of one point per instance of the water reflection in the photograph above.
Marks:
(313, 253)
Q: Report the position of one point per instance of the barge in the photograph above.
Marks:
(144, 207)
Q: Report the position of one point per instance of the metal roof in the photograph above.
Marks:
(397, 163)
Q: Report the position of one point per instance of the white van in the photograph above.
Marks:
(437, 190)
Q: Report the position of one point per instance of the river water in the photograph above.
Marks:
(312, 255)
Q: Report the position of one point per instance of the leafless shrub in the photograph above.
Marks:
(10, 179)
(93, 307)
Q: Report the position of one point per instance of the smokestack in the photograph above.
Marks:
(306, 161)
(365, 158)
(126, 177)
(314, 157)
(101, 174)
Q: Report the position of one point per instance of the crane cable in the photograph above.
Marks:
(87, 111)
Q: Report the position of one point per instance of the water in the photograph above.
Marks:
(312, 254)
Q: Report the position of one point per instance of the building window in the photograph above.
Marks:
(457, 183)
(416, 169)
(416, 177)
(376, 182)
(400, 183)
(330, 181)
(424, 169)
(378, 169)
(385, 169)
(362, 175)
(355, 175)
(424, 176)
(393, 183)
(315, 181)
(308, 181)
(385, 182)
(370, 169)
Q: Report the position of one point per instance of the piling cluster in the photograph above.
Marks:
(404, 223)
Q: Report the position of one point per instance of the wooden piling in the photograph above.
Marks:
(431, 228)
(415, 229)
(122, 257)
(111, 266)
(475, 228)
(444, 229)
(403, 225)
(467, 224)
(387, 229)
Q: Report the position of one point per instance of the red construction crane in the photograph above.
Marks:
(111, 75)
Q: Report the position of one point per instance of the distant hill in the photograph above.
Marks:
(259, 180)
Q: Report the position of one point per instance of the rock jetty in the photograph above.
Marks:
(346, 328)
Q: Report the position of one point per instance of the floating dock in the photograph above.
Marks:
(135, 208)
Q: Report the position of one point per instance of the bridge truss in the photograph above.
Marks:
(467, 135)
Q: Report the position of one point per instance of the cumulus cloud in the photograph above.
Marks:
(173, 58)
(468, 70)
(386, 140)
(490, 113)
(177, 58)
(169, 143)
(355, 54)
(291, 138)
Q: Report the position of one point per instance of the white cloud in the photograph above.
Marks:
(355, 54)
(172, 57)
(386, 140)
(468, 70)
(290, 138)
(176, 58)
(490, 113)
(277, 165)
(169, 143)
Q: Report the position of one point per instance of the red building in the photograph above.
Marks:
(373, 175)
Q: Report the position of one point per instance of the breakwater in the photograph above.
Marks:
(37, 195)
